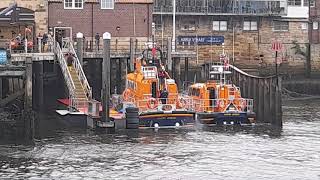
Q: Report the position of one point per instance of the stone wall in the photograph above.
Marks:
(252, 49)
(39, 6)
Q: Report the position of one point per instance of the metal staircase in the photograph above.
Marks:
(80, 92)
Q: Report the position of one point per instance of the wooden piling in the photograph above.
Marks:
(106, 77)
(1, 91)
(169, 55)
(186, 69)
(132, 54)
(80, 47)
(266, 95)
(177, 71)
(27, 113)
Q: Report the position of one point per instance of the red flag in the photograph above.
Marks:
(154, 51)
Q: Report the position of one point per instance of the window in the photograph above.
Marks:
(250, 25)
(131, 84)
(315, 25)
(312, 3)
(73, 4)
(188, 25)
(107, 4)
(294, 2)
(219, 25)
(280, 26)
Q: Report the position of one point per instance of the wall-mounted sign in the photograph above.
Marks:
(3, 56)
(200, 40)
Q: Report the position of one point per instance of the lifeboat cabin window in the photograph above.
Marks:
(131, 84)
(194, 92)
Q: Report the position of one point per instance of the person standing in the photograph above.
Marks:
(163, 96)
(70, 61)
(97, 38)
(44, 41)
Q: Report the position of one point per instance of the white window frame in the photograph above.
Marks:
(306, 3)
(105, 2)
(220, 25)
(294, 3)
(73, 4)
(251, 27)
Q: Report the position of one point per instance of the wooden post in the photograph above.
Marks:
(169, 55)
(1, 91)
(186, 70)
(80, 47)
(132, 54)
(278, 112)
(106, 77)
(266, 101)
(27, 115)
(40, 86)
(119, 76)
(260, 100)
(272, 99)
(177, 72)
(255, 85)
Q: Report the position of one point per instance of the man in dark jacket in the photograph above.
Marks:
(164, 95)
(97, 38)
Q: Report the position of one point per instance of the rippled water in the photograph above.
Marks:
(196, 153)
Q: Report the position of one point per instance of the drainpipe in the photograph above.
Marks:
(148, 21)
(92, 26)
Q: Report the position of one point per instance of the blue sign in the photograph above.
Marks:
(200, 40)
(3, 56)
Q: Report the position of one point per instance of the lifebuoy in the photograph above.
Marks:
(152, 103)
(221, 103)
(182, 103)
(126, 95)
(243, 103)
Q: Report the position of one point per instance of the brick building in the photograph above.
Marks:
(122, 18)
(247, 28)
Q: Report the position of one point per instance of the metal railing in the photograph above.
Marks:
(246, 7)
(80, 105)
(75, 104)
(81, 75)
(163, 104)
(216, 105)
(116, 46)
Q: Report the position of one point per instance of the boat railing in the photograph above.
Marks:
(163, 104)
(218, 105)
(65, 72)
(81, 75)
(79, 104)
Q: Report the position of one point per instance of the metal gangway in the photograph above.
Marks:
(80, 92)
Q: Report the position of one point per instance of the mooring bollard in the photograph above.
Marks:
(132, 118)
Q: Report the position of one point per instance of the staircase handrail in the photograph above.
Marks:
(64, 69)
(82, 77)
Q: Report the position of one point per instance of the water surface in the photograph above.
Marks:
(258, 152)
